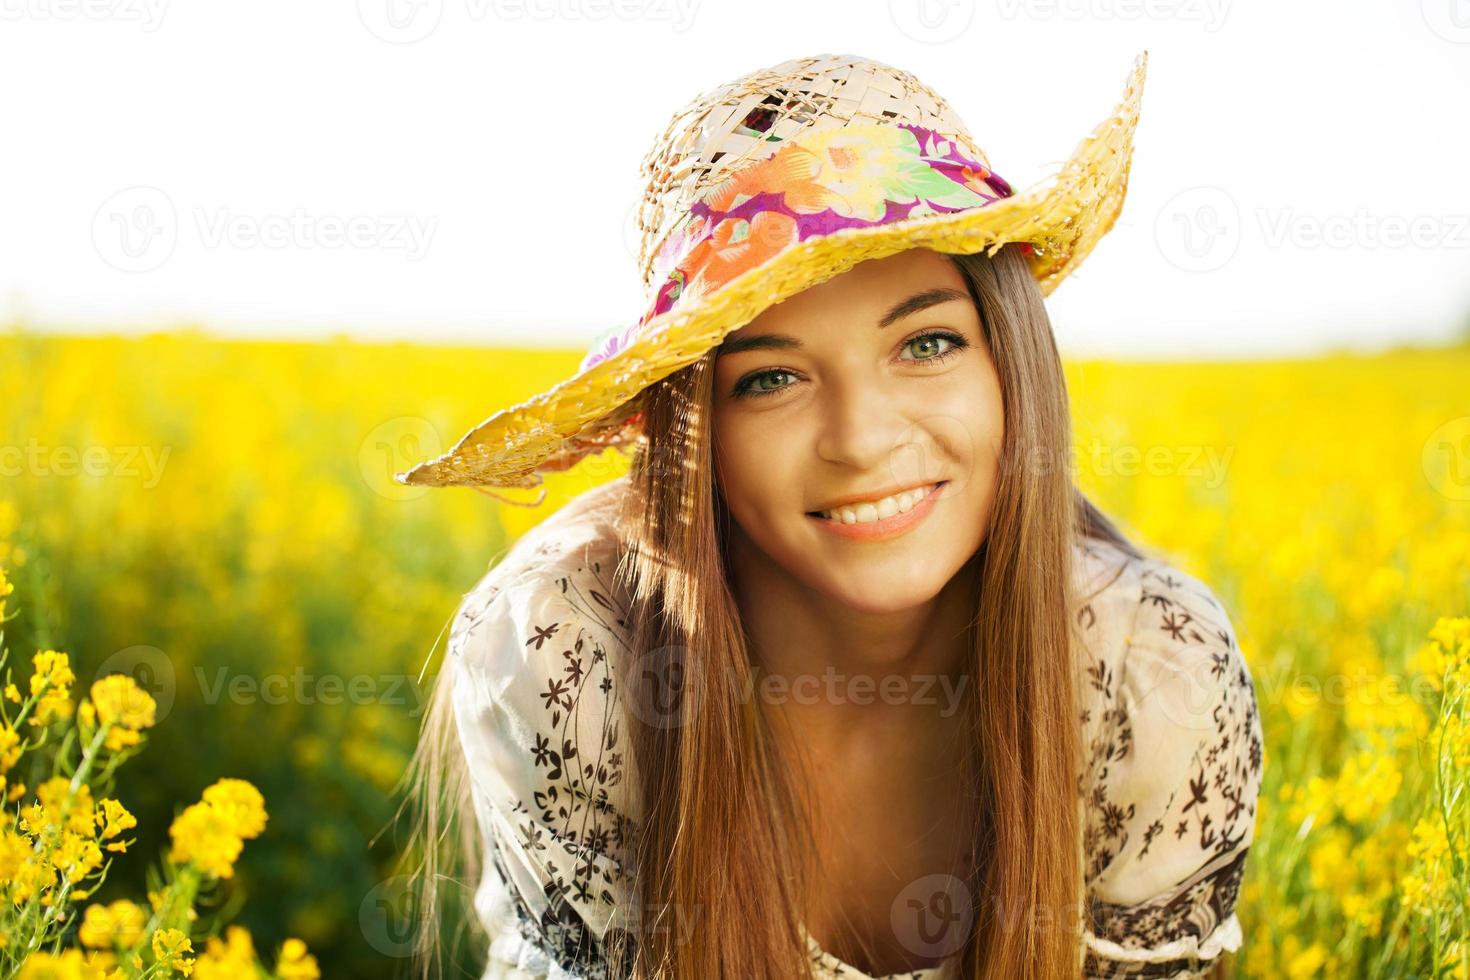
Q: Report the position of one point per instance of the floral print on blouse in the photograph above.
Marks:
(1171, 734)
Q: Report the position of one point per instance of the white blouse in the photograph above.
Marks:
(1170, 728)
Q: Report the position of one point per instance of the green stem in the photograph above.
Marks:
(27, 705)
(89, 755)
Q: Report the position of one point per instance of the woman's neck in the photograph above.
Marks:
(828, 667)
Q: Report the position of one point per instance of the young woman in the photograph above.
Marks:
(844, 678)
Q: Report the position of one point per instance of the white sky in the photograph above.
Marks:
(489, 150)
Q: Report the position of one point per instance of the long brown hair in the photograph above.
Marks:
(726, 839)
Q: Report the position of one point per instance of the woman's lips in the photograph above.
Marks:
(887, 527)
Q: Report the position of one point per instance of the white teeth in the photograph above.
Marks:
(877, 510)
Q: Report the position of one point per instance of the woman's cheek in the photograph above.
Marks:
(965, 419)
(754, 456)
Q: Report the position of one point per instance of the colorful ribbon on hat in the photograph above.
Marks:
(854, 176)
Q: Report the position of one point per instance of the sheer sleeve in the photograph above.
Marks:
(1178, 794)
(531, 649)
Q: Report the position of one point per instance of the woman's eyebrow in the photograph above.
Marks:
(903, 308)
(921, 301)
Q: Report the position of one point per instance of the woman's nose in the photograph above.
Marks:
(862, 426)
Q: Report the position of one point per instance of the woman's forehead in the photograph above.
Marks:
(874, 290)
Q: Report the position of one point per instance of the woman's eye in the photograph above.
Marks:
(753, 386)
(927, 346)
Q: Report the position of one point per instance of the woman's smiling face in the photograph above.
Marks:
(877, 381)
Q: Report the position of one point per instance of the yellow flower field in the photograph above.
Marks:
(217, 519)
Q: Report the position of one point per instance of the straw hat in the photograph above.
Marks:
(770, 184)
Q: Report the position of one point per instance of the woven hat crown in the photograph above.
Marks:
(738, 122)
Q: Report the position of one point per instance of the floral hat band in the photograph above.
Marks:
(855, 177)
(768, 185)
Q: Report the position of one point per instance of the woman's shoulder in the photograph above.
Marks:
(556, 576)
(531, 657)
(1175, 759)
(537, 640)
(546, 617)
(1159, 647)
(1127, 599)
(582, 532)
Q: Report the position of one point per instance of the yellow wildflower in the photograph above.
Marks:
(295, 963)
(1422, 887)
(205, 836)
(1307, 963)
(33, 876)
(53, 797)
(52, 681)
(171, 948)
(211, 833)
(14, 849)
(1366, 908)
(1312, 804)
(53, 669)
(9, 748)
(1331, 867)
(1447, 653)
(240, 803)
(71, 964)
(114, 818)
(1451, 739)
(77, 856)
(104, 964)
(1368, 783)
(119, 738)
(228, 958)
(118, 924)
(120, 701)
(1453, 636)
